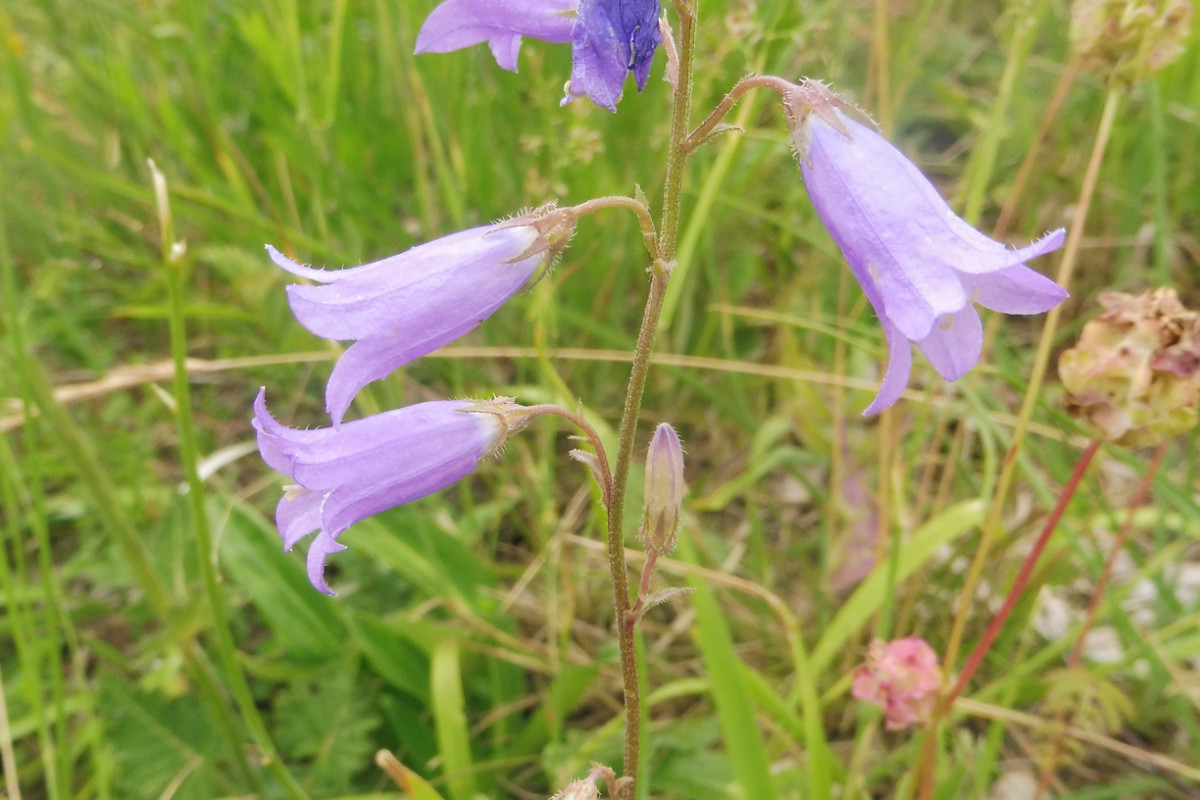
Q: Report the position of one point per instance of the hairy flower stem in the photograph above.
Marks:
(926, 762)
(649, 237)
(1062, 719)
(708, 128)
(601, 470)
(660, 273)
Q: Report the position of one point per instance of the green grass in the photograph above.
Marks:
(472, 636)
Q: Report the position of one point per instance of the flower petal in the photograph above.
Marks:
(887, 219)
(298, 514)
(456, 24)
(318, 551)
(351, 503)
(920, 265)
(955, 344)
(1015, 290)
(356, 302)
(611, 39)
(899, 367)
(408, 305)
(348, 472)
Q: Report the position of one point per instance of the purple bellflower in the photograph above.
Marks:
(408, 305)
(609, 38)
(345, 474)
(921, 266)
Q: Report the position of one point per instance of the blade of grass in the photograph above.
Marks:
(450, 720)
(735, 711)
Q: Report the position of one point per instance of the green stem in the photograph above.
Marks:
(660, 272)
(619, 201)
(189, 453)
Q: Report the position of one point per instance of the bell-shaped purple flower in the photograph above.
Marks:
(347, 473)
(609, 38)
(410, 304)
(612, 39)
(922, 267)
(456, 24)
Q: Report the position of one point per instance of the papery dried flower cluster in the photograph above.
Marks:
(1134, 376)
(1129, 40)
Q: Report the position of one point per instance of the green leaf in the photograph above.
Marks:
(450, 720)
(392, 654)
(161, 745)
(328, 723)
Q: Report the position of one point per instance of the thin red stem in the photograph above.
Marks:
(925, 762)
(1018, 587)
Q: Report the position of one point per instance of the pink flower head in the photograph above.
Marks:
(902, 677)
(921, 266)
(409, 305)
(347, 473)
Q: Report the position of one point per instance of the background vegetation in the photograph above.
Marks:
(471, 635)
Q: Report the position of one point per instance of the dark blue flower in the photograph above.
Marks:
(609, 38)
(612, 38)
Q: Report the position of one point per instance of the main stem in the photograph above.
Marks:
(660, 272)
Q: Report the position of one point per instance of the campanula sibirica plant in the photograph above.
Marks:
(923, 269)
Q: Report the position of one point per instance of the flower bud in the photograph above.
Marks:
(578, 790)
(902, 677)
(664, 490)
(1134, 376)
(1129, 40)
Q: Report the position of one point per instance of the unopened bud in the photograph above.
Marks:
(664, 490)
(1135, 373)
(1129, 40)
(585, 788)
(578, 790)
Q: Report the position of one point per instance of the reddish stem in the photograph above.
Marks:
(1014, 594)
(926, 760)
(1139, 500)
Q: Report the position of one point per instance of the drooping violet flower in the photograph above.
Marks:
(609, 38)
(456, 24)
(902, 677)
(921, 266)
(408, 305)
(347, 473)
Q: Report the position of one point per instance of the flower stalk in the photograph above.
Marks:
(660, 272)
